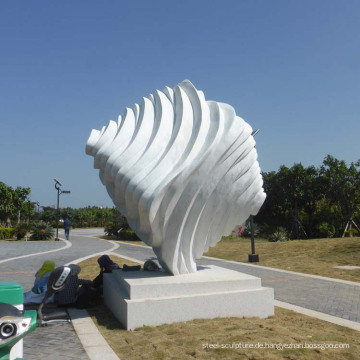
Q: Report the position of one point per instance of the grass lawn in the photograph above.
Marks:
(226, 338)
(317, 257)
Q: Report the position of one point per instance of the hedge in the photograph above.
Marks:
(7, 233)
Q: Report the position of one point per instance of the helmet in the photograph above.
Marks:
(150, 265)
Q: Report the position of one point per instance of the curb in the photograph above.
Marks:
(91, 339)
(319, 315)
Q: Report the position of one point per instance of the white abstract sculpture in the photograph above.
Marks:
(182, 170)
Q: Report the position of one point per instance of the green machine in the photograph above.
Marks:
(14, 323)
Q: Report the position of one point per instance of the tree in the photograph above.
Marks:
(343, 187)
(311, 202)
(48, 215)
(292, 194)
(90, 216)
(21, 202)
(6, 204)
(13, 203)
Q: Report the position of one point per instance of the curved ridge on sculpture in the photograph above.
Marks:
(183, 170)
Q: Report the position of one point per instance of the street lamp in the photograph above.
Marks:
(58, 185)
(253, 257)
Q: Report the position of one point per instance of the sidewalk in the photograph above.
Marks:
(54, 342)
(78, 340)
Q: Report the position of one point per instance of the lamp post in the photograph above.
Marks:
(58, 185)
(253, 257)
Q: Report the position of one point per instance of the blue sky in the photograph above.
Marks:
(288, 67)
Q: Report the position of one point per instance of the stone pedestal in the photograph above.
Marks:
(153, 298)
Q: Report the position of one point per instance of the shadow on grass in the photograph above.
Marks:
(105, 318)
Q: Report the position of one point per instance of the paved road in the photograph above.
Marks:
(20, 260)
(18, 263)
(340, 299)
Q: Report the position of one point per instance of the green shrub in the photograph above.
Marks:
(265, 230)
(128, 234)
(325, 229)
(7, 233)
(351, 232)
(42, 231)
(280, 234)
(112, 229)
(246, 232)
(21, 230)
(54, 224)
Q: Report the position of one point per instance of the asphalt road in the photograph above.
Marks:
(20, 260)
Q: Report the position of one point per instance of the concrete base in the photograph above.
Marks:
(253, 258)
(153, 298)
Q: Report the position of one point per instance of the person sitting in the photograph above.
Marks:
(37, 293)
(106, 266)
(76, 292)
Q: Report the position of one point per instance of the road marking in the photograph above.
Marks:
(129, 258)
(128, 243)
(115, 246)
(68, 244)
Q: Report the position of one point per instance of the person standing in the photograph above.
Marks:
(67, 226)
